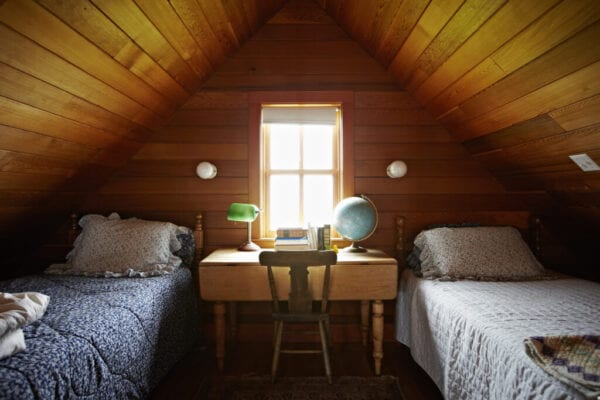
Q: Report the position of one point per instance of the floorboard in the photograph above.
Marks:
(189, 379)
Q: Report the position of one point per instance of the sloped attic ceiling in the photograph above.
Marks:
(517, 83)
(83, 83)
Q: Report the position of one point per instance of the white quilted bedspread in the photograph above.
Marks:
(468, 335)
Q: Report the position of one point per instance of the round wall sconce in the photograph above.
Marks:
(396, 169)
(206, 170)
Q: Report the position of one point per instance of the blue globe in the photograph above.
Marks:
(355, 218)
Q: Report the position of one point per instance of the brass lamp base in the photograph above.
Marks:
(249, 246)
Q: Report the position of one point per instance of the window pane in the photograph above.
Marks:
(318, 146)
(284, 201)
(285, 146)
(318, 199)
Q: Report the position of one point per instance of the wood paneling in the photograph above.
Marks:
(84, 83)
(515, 82)
(283, 55)
(388, 124)
(503, 25)
(96, 27)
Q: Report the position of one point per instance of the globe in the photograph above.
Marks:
(355, 218)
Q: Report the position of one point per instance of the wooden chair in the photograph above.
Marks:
(300, 301)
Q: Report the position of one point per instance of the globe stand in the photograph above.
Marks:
(355, 218)
(354, 248)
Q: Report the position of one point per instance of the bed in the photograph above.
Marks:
(109, 335)
(474, 337)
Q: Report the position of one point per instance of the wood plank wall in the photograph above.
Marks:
(517, 82)
(84, 82)
(302, 49)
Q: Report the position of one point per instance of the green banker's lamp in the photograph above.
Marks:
(241, 212)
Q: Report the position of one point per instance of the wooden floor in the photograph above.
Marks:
(189, 380)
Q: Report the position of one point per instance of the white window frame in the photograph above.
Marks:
(255, 102)
(266, 172)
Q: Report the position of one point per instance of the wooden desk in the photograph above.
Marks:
(231, 275)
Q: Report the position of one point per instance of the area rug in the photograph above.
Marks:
(304, 388)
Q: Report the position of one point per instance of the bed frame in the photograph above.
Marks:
(530, 227)
(198, 231)
(495, 326)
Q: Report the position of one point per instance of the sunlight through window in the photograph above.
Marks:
(300, 169)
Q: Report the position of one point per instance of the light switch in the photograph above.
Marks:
(585, 162)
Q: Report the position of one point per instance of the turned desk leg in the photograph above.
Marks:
(364, 320)
(377, 334)
(219, 313)
(233, 320)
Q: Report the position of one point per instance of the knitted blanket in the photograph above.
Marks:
(575, 360)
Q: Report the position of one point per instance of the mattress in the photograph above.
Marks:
(468, 335)
(101, 338)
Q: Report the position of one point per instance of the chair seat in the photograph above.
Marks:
(300, 317)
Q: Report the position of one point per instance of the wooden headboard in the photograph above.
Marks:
(199, 238)
(198, 231)
(408, 226)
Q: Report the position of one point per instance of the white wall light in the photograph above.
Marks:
(396, 169)
(206, 170)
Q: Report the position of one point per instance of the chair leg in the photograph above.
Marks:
(325, 348)
(328, 332)
(275, 362)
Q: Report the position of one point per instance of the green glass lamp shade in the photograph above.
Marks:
(242, 212)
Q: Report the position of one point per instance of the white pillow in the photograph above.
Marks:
(486, 253)
(115, 247)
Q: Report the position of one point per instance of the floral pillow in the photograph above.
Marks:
(414, 257)
(113, 247)
(484, 253)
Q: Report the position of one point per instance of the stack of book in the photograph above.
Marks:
(324, 237)
(291, 239)
(319, 237)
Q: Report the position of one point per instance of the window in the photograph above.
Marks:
(258, 101)
(300, 168)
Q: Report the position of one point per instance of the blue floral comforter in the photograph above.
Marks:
(101, 338)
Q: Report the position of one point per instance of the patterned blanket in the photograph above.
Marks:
(575, 360)
(101, 338)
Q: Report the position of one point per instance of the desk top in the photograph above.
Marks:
(235, 257)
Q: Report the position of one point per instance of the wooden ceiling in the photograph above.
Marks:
(83, 83)
(517, 82)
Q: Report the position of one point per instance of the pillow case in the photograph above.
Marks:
(414, 257)
(188, 246)
(414, 260)
(483, 253)
(113, 247)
